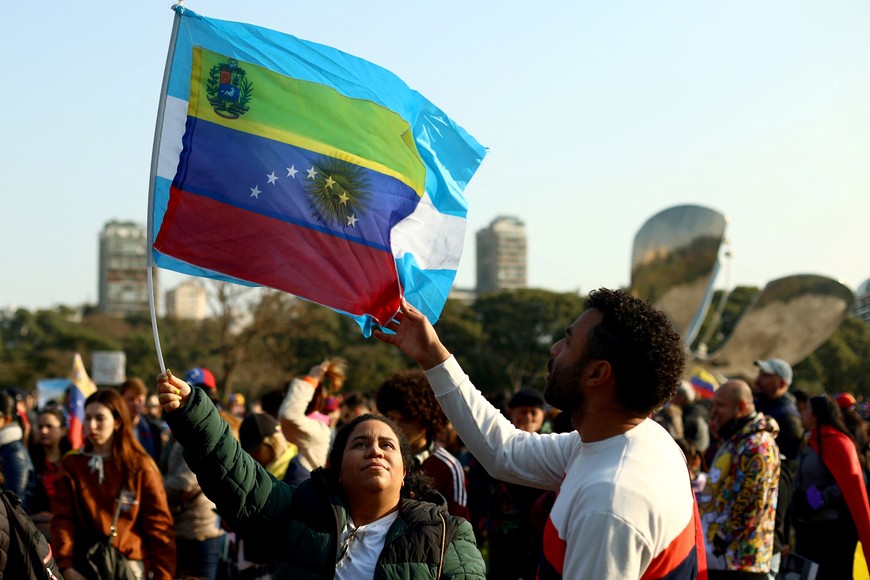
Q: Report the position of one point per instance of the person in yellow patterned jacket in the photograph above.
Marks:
(738, 509)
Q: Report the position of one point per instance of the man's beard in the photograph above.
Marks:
(563, 386)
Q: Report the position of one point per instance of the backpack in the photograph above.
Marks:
(28, 554)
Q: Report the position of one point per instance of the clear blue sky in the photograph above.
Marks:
(597, 115)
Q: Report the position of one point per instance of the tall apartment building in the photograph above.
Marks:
(861, 307)
(501, 255)
(123, 277)
(188, 301)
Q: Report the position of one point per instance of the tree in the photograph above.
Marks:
(842, 363)
(521, 326)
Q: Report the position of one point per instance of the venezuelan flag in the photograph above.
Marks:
(704, 383)
(82, 388)
(291, 165)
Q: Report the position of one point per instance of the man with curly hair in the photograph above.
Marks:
(625, 507)
(406, 398)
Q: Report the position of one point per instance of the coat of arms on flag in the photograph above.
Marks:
(287, 164)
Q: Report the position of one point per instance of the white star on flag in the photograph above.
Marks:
(343, 197)
(330, 182)
(255, 192)
(272, 178)
(311, 173)
(351, 221)
(291, 171)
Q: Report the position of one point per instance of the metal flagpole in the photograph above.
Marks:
(155, 154)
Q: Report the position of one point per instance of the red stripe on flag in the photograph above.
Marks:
(75, 432)
(332, 271)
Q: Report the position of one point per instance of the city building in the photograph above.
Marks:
(501, 255)
(861, 307)
(465, 295)
(188, 301)
(123, 275)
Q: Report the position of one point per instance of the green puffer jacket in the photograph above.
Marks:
(300, 525)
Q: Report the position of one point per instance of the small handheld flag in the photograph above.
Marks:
(287, 164)
(82, 388)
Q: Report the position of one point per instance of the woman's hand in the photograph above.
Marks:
(318, 371)
(172, 391)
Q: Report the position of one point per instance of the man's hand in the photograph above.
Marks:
(415, 337)
(172, 391)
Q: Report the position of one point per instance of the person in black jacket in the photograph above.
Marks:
(363, 516)
(15, 461)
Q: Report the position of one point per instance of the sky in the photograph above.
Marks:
(596, 116)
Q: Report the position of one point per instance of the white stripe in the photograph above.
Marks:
(174, 120)
(433, 238)
(459, 491)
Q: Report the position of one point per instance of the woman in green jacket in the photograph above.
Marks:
(361, 517)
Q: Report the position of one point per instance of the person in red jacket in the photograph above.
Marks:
(830, 504)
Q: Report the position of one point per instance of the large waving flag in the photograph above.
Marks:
(82, 388)
(292, 165)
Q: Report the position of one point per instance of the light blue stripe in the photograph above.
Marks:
(427, 290)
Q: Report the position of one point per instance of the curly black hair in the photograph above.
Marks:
(409, 394)
(645, 352)
(417, 484)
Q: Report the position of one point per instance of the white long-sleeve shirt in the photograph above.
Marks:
(625, 507)
(311, 436)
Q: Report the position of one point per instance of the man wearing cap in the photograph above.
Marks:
(261, 437)
(526, 410)
(625, 507)
(773, 400)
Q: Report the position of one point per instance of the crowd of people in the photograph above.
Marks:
(618, 469)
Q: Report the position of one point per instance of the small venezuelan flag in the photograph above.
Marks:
(82, 388)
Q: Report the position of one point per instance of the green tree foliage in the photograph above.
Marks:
(521, 326)
(502, 340)
(461, 331)
(842, 363)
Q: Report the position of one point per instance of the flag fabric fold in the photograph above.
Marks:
(292, 165)
(82, 388)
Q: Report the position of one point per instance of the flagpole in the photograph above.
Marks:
(155, 154)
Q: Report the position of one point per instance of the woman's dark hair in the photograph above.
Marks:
(827, 412)
(8, 405)
(417, 485)
(37, 451)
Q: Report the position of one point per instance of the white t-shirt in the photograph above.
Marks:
(361, 546)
